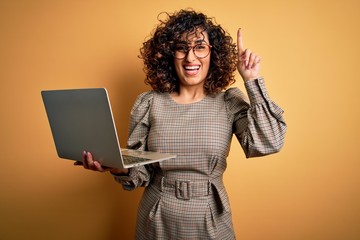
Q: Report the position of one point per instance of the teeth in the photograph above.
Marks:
(192, 67)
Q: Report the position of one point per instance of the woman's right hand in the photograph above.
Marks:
(248, 62)
(89, 163)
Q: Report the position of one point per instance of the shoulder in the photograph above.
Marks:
(143, 101)
(145, 96)
(232, 95)
(235, 101)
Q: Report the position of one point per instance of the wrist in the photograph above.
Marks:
(251, 78)
(120, 171)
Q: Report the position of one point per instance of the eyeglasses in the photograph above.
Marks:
(200, 50)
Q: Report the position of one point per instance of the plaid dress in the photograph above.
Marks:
(185, 197)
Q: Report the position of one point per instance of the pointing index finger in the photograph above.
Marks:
(239, 42)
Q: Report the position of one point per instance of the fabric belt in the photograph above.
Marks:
(183, 189)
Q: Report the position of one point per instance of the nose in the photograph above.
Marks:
(190, 56)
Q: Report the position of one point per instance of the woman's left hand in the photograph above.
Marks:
(248, 62)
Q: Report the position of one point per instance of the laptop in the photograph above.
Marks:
(82, 119)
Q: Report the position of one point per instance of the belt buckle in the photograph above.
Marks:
(183, 189)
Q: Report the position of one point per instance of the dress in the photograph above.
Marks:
(185, 197)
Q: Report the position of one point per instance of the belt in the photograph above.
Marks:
(183, 189)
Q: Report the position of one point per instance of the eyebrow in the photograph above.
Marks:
(200, 41)
(188, 42)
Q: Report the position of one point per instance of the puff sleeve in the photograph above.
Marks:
(137, 138)
(257, 121)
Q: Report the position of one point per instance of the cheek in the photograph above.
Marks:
(206, 65)
(177, 66)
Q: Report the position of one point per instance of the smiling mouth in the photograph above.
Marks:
(191, 68)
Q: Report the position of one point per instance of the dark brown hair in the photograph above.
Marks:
(158, 57)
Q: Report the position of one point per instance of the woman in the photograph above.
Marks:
(189, 62)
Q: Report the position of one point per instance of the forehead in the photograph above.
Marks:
(198, 35)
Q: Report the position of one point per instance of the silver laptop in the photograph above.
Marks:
(82, 119)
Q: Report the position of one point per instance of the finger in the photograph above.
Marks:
(98, 167)
(90, 160)
(84, 160)
(240, 45)
(256, 61)
(93, 164)
(251, 60)
(245, 57)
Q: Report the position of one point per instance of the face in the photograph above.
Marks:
(192, 70)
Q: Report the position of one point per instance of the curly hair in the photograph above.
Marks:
(158, 54)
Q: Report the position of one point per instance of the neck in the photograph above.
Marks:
(188, 95)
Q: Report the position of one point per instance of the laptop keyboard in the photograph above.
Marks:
(132, 159)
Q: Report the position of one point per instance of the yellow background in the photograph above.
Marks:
(310, 51)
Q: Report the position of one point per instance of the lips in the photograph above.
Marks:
(191, 69)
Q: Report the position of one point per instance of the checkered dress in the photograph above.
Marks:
(185, 197)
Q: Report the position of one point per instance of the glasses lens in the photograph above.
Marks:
(181, 50)
(201, 50)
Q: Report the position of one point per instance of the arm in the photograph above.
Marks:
(138, 131)
(89, 163)
(129, 178)
(262, 129)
